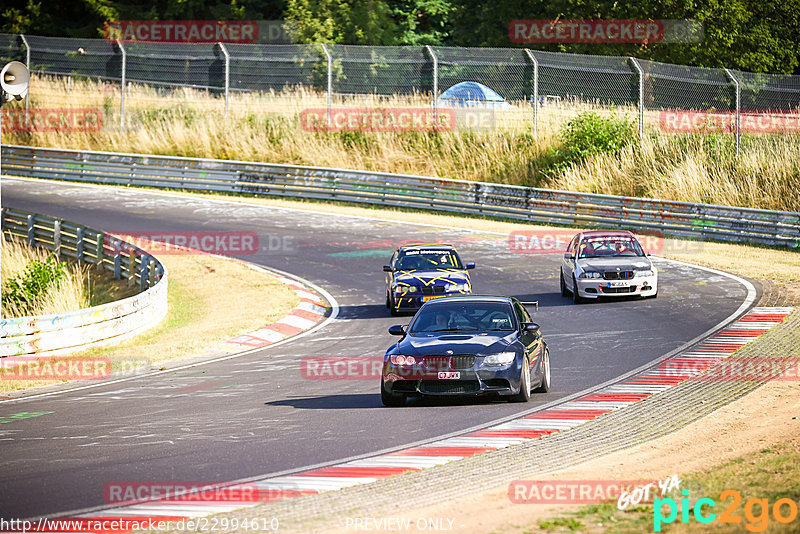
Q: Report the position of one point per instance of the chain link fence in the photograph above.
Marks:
(538, 90)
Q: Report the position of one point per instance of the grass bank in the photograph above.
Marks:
(200, 315)
(35, 283)
(266, 127)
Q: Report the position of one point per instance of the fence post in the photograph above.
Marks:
(738, 109)
(27, 64)
(122, 85)
(227, 74)
(329, 60)
(435, 84)
(143, 272)
(535, 91)
(641, 94)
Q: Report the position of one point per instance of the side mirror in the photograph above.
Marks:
(387, 269)
(471, 265)
(568, 255)
(530, 327)
(397, 330)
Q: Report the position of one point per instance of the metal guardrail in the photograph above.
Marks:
(662, 217)
(80, 329)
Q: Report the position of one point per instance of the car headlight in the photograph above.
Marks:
(641, 274)
(405, 289)
(591, 274)
(456, 287)
(502, 358)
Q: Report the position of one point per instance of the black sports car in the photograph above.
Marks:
(467, 345)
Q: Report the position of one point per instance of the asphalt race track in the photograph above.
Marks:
(256, 414)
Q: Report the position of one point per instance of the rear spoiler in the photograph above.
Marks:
(532, 303)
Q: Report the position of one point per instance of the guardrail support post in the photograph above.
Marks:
(118, 266)
(435, 97)
(31, 231)
(329, 60)
(79, 244)
(100, 250)
(57, 238)
(535, 91)
(738, 109)
(131, 267)
(641, 94)
(122, 85)
(227, 74)
(143, 272)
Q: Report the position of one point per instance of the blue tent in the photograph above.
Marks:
(472, 95)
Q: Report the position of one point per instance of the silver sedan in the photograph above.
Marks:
(607, 264)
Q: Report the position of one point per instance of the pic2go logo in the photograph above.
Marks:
(756, 511)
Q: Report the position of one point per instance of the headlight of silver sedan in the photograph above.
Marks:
(591, 274)
(642, 274)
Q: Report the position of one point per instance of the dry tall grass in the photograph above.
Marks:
(266, 127)
(71, 294)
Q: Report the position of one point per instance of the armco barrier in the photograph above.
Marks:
(668, 218)
(76, 330)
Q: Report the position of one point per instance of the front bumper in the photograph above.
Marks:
(593, 288)
(472, 382)
(413, 301)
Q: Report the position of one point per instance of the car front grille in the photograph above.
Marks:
(618, 275)
(629, 289)
(432, 290)
(447, 363)
(449, 386)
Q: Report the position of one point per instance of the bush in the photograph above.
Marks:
(24, 289)
(589, 134)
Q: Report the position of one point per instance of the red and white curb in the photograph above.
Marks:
(310, 312)
(563, 416)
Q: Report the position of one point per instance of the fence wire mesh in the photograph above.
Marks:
(537, 90)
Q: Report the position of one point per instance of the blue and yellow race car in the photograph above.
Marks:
(419, 273)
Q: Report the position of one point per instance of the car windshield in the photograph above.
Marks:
(412, 260)
(458, 316)
(595, 247)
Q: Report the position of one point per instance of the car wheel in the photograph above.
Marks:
(524, 394)
(391, 305)
(564, 292)
(544, 386)
(576, 298)
(393, 401)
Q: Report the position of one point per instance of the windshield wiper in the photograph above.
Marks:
(452, 329)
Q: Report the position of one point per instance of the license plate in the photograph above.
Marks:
(449, 375)
(618, 284)
(426, 299)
